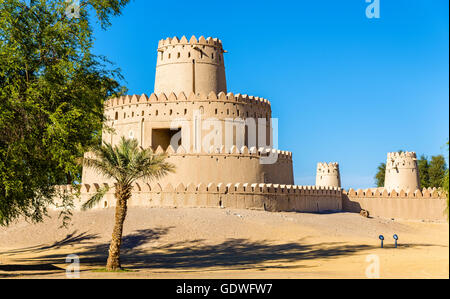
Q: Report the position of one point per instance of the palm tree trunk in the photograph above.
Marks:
(123, 193)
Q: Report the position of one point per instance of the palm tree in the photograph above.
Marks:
(125, 163)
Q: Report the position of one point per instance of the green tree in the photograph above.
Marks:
(52, 90)
(436, 171)
(423, 166)
(445, 186)
(124, 163)
(381, 174)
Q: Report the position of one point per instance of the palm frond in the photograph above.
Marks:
(95, 198)
(127, 162)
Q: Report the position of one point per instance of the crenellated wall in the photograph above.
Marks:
(426, 204)
(268, 197)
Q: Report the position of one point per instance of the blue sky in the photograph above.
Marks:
(344, 87)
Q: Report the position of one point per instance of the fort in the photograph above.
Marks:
(223, 146)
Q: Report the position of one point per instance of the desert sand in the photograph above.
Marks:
(220, 243)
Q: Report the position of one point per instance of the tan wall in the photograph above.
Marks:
(274, 198)
(136, 117)
(419, 205)
(216, 167)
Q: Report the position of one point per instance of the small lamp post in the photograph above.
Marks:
(382, 239)
(396, 239)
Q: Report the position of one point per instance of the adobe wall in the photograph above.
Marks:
(428, 204)
(136, 116)
(267, 197)
(218, 165)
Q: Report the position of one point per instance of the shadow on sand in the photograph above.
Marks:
(138, 253)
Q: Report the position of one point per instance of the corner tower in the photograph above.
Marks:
(402, 172)
(328, 175)
(194, 66)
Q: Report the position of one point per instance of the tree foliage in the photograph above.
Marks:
(445, 185)
(52, 90)
(380, 176)
(423, 165)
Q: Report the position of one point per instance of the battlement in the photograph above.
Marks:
(395, 155)
(328, 168)
(267, 197)
(385, 193)
(405, 160)
(173, 98)
(214, 42)
(215, 188)
(220, 151)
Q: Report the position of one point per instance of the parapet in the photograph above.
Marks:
(385, 193)
(215, 42)
(225, 188)
(395, 155)
(181, 97)
(328, 168)
(222, 150)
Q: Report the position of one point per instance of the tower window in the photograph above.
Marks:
(189, 54)
(156, 112)
(116, 116)
(179, 54)
(212, 56)
(169, 55)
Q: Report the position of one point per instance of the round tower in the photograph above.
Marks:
(402, 172)
(194, 66)
(328, 175)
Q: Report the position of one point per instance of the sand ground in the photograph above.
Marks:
(222, 243)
